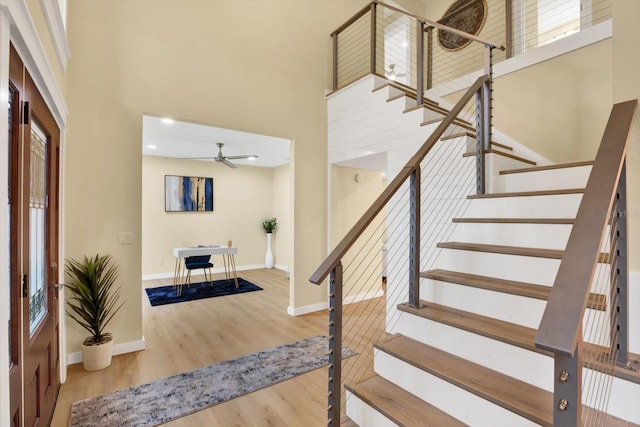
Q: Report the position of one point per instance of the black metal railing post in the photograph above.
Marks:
(374, 8)
(420, 64)
(621, 310)
(567, 389)
(429, 57)
(335, 346)
(480, 125)
(414, 237)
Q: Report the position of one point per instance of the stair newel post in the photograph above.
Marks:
(429, 57)
(374, 8)
(480, 125)
(620, 312)
(567, 390)
(420, 64)
(335, 346)
(414, 237)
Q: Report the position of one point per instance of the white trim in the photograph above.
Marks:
(362, 297)
(5, 418)
(298, 311)
(281, 267)
(24, 36)
(586, 37)
(53, 16)
(122, 348)
(214, 270)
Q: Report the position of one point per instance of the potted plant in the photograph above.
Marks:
(269, 226)
(92, 303)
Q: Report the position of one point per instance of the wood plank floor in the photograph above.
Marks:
(185, 336)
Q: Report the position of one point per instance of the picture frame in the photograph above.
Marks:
(188, 193)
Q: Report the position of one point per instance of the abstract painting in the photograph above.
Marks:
(188, 194)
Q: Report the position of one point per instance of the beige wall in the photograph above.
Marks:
(349, 200)
(243, 198)
(626, 86)
(558, 107)
(281, 209)
(257, 66)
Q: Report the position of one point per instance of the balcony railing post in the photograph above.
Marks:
(429, 57)
(374, 8)
(414, 238)
(335, 346)
(420, 64)
(488, 96)
(567, 391)
(480, 125)
(335, 60)
(621, 311)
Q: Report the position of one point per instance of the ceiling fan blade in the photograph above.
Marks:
(194, 158)
(228, 163)
(246, 156)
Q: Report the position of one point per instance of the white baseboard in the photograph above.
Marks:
(121, 348)
(363, 297)
(214, 270)
(298, 311)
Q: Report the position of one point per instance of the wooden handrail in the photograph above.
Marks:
(425, 21)
(561, 322)
(336, 255)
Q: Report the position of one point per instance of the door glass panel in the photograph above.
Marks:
(11, 349)
(37, 227)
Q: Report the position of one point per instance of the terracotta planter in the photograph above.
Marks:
(96, 357)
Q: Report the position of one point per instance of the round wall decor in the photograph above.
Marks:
(463, 15)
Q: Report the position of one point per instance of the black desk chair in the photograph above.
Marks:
(196, 262)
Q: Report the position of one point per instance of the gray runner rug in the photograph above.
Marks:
(166, 399)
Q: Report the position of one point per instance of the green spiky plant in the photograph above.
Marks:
(269, 225)
(94, 298)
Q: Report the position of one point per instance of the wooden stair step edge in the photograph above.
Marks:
(547, 167)
(561, 221)
(512, 250)
(506, 332)
(503, 154)
(411, 93)
(400, 406)
(528, 193)
(456, 122)
(347, 422)
(529, 290)
(512, 394)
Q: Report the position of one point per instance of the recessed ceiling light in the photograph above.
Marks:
(153, 147)
(251, 158)
(167, 120)
(384, 174)
(368, 152)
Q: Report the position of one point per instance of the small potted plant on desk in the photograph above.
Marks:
(269, 227)
(92, 303)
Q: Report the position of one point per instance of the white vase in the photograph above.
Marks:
(268, 259)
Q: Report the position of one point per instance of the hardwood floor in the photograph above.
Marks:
(180, 337)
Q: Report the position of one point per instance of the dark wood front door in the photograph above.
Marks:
(33, 180)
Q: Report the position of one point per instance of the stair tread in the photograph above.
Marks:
(530, 290)
(407, 92)
(397, 404)
(547, 167)
(473, 135)
(510, 393)
(501, 153)
(516, 220)
(347, 422)
(528, 193)
(519, 397)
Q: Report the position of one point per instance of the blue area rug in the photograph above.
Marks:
(166, 399)
(167, 294)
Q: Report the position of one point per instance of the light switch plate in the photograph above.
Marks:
(125, 238)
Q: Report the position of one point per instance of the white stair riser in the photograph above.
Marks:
(460, 404)
(552, 179)
(363, 414)
(498, 305)
(552, 206)
(547, 236)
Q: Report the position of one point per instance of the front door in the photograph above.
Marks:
(33, 180)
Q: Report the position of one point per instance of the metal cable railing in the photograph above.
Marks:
(409, 216)
(594, 262)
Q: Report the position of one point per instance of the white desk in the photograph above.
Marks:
(228, 257)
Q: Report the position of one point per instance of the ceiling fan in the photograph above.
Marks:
(392, 74)
(225, 159)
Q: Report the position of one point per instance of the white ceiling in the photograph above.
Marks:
(183, 139)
